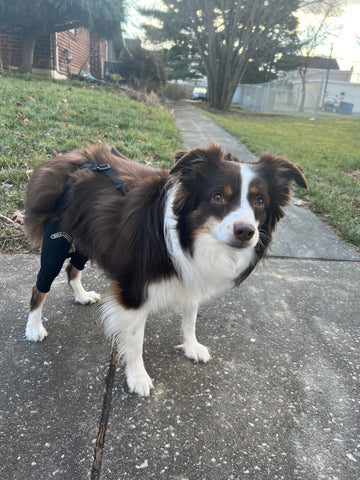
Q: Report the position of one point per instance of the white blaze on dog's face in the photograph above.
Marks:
(226, 200)
(239, 228)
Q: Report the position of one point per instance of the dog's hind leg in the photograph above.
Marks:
(191, 347)
(55, 248)
(35, 330)
(80, 294)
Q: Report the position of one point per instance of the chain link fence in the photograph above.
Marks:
(288, 97)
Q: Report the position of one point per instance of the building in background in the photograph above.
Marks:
(60, 55)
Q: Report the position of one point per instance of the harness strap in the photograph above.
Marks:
(106, 169)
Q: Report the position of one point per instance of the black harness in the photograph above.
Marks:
(106, 169)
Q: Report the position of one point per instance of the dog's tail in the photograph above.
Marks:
(47, 184)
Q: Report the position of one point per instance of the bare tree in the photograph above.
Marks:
(317, 14)
(227, 35)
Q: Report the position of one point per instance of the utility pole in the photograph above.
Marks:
(328, 73)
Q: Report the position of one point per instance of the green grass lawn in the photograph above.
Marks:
(39, 114)
(329, 151)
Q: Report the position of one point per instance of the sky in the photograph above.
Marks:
(345, 38)
(345, 35)
(347, 46)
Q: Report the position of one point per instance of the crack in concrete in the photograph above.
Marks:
(313, 259)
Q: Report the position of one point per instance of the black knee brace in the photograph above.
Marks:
(55, 249)
(78, 260)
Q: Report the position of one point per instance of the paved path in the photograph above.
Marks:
(277, 401)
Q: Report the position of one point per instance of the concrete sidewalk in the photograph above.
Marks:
(277, 401)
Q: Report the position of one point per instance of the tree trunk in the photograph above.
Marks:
(27, 54)
(226, 62)
(226, 85)
(220, 101)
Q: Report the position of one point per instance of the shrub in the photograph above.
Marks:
(176, 91)
(143, 69)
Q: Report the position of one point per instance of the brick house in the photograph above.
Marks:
(59, 55)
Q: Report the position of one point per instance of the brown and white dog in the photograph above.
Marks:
(174, 238)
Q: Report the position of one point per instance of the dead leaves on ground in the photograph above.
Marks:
(16, 219)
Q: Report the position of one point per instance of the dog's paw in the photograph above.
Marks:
(139, 382)
(87, 298)
(195, 351)
(35, 333)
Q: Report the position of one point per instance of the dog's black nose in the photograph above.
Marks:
(243, 231)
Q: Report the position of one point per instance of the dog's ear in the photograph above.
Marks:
(283, 169)
(278, 173)
(197, 160)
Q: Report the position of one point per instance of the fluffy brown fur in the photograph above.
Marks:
(125, 234)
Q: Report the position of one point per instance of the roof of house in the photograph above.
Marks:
(322, 63)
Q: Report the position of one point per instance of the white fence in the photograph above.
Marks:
(286, 96)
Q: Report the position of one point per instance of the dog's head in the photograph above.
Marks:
(237, 203)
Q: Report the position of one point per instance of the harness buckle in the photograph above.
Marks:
(103, 167)
(107, 170)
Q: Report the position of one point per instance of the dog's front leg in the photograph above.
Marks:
(126, 329)
(191, 347)
(137, 377)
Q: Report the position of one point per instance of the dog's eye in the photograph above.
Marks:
(258, 202)
(218, 198)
